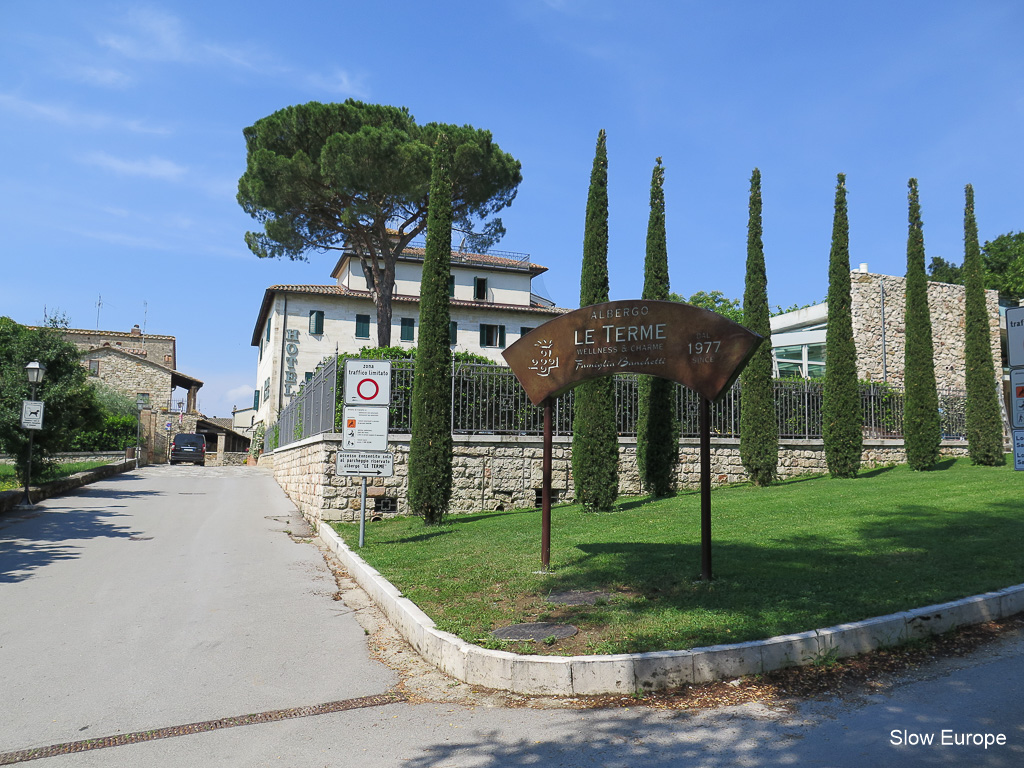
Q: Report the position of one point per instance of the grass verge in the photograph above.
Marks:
(9, 480)
(807, 553)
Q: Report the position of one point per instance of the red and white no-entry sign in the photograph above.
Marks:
(367, 382)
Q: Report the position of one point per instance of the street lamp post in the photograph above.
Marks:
(34, 371)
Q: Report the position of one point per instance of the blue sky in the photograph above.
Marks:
(122, 127)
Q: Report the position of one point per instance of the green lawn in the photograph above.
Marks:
(807, 553)
(9, 481)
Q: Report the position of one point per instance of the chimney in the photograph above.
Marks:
(863, 268)
(136, 331)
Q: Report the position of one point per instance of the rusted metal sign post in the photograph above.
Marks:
(700, 349)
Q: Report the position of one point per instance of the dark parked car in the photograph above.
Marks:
(188, 447)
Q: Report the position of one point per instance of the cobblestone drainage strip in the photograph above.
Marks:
(37, 753)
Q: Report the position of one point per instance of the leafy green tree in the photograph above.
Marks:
(840, 407)
(657, 431)
(942, 271)
(759, 427)
(430, 446)
(356, 177)
(595, 441)
(119, 421)
(716, 301)
(922, 428)
(69, 404)
(1004, 265)
(984, 422)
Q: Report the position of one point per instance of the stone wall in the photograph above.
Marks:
(492, 472)
(946, 305)
(226, 459)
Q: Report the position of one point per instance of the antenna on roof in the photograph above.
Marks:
(145, 315)
(99, 306)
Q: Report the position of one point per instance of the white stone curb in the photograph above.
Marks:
(628, 673)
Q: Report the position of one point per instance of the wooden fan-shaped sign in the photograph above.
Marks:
(700, 349)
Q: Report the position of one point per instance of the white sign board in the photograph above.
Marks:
(367, 382)
(1018, 449)
(1017, 398)
(1015, 336)
(366, 464)
(365, 428)
(31, 414)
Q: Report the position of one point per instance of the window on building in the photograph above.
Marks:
(492, 336)
(480, 288)
(316, 321)
(451, 286)
(255, 399)
(268, 330)
(362, 326)
(266, 390)
(800, 361)
(408, 328)
(453, 333)
(309, 376)
(523, 330)
(94, 367)
(143, 398)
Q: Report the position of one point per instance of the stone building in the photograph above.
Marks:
(139, 378)
(878, 303)
(492, 305)
(156, 349)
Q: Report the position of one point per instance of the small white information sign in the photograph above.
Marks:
(367, 382)
(366, 464)
(31, 414)
(1018, 449)
(1017, 398)
(365, 428)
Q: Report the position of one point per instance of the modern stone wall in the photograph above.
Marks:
(492, 472)
(871, 324)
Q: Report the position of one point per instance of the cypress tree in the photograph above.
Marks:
(922, 430)
(984, 422)
(430, 447)
(595, 443)
(759, 428)
(841, 418)
(657, 430)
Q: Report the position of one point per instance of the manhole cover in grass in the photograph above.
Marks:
(537, 631)
(576, 597)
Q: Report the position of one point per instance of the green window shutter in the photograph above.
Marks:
(255, 399)
(483, 335)
(268, 330)
(523, 330)
(408, 326)
(451, 286)
(453, 333)
(501, 336)
(316, 321)
(362, 326)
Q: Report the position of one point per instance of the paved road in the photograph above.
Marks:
(173, 596)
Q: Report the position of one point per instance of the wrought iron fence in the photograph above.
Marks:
(310, 412)
(487, 399)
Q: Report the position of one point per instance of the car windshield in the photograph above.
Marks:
(191, 441)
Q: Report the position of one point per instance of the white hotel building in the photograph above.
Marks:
(492, 305)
